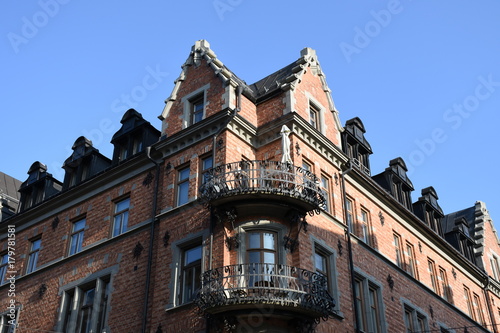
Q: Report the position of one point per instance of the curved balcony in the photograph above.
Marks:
(286, 288)
(263, 180)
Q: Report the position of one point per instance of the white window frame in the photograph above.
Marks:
(187, 102)
(78, 239)
(121, 216)
(33, 256)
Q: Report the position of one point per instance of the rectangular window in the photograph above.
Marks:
(411, 267)
(190, 272)
(306, 166)
(322, 266)
(137, 145)
(445, 287)
(374, 313)
(432, 274)
(262, 256)
(4, 264)
(468, 301)
(368, 305)
(415, 321)
(120, 219)
(479, 310)
(365, 227)
(84, 308)
(350, 214)
(183, 186)
(33, 255)
(408, 321)
(196, 109)
(325, 187)
(399, 251)
(76, 239)
(495, 268)
(360, 304)
(314, 113)
(206, 164)
(8, 321)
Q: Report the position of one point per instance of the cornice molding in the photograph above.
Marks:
(192, 135)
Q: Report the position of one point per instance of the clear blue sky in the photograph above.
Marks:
(423, 75)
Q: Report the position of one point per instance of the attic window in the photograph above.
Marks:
(196, 109)
(314, 116)
(195, 104)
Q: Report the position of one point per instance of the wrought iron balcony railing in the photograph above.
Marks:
(262, 177)
(289, 288)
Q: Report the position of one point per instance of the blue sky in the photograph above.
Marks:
(423, 75)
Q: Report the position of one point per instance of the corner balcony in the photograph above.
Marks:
(283, 288)
(263, 180)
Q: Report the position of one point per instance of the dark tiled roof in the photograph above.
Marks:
(448, 222)
(273, 81)
(9, 186)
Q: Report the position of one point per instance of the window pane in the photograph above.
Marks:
(207, 163)
(80, 225)
(269, 258)
(183, 193)
(122, 205)
(360, 304)
(192, 255)
(320, 262)
(254, 240)
(184, 174)
(253, 257)
(36, 245)
(268, 241)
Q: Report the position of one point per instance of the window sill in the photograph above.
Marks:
(169, 307)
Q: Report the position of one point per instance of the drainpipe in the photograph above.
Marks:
(151, 240)
(488, 303)
(349, 249)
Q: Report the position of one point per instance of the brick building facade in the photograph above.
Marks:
(252, 210)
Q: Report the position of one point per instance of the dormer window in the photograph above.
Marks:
(39, 186)
(133, 136)
(356, 146)
(85, 162)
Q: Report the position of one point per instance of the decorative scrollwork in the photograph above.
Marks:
(148, 179)
(260, 283)
(138, 250)
(270, 177)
